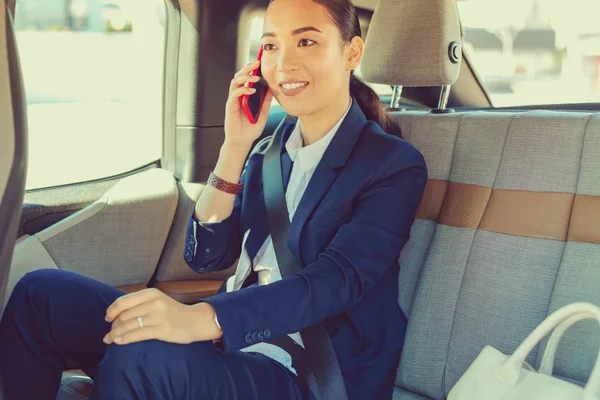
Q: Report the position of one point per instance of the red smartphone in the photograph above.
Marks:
(253, 103)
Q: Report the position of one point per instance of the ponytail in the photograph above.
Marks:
(372, 107)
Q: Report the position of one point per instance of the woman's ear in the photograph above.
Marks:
(355, 52)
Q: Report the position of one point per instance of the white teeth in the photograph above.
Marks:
(292, 86)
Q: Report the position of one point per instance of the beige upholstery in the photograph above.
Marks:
(7, 131)
(117, 240)
(120, 244)
(408, 40)
(365, 4)
(507, 232)
(29, 255)
(13, 144)
(172, 266)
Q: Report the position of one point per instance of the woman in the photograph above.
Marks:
(352, 191)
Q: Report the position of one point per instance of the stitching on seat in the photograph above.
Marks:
(437, 224)
(585, 129)
(435, 229)
(428, 251)
(444, 388)
(412, 303)
(453, 153)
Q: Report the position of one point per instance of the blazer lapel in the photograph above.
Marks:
(286, 169)
(336, 156)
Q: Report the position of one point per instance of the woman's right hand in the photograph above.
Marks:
(238, 129)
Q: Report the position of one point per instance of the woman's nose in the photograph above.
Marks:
(287, 61)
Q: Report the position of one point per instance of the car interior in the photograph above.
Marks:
(508, 230)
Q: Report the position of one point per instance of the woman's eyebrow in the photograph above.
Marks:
(305, 29)
(294, 32)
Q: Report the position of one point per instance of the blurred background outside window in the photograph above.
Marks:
(534, 52)
(93, 76)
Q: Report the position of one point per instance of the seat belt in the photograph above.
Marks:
(325, 376)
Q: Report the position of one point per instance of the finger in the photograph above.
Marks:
(129, 301)
(149, 333)
(239, 92)
(142, 310)
(242, 80)
(130, 326)
(247, 68)
(264, 112)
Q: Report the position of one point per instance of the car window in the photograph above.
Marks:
(256, 28)
(531, 52)
(92, 71)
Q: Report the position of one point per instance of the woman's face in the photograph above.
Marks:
(304, 60)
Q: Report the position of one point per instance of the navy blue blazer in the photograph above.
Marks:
(347, 233)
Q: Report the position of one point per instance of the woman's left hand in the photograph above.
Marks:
(162, 318)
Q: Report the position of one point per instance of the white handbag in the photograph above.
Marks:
(495, 376)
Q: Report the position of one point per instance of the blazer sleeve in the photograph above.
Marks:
(358, 256)
(213, 246)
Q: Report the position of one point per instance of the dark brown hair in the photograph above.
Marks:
(344, 15)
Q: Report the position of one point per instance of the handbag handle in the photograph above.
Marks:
(547, 364)
(511, 369)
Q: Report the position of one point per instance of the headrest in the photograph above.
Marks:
(413, 43)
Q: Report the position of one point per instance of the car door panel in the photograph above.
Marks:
(173, 275)
(117, 240)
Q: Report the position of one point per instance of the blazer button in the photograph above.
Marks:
(248, 338)
(261, 336)
(254, 337)
(267, 333)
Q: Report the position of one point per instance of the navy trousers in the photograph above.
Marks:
(55, 321)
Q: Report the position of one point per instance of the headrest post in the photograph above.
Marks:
(445, 93)
(396, 95)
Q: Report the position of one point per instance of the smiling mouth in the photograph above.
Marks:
(292, 86)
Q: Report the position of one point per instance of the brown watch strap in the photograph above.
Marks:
(223, 185)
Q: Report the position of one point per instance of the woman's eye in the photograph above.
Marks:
(306, 42)
(268, 46)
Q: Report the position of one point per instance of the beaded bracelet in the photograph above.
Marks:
(224, 186)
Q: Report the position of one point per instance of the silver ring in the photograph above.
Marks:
(140, 322)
